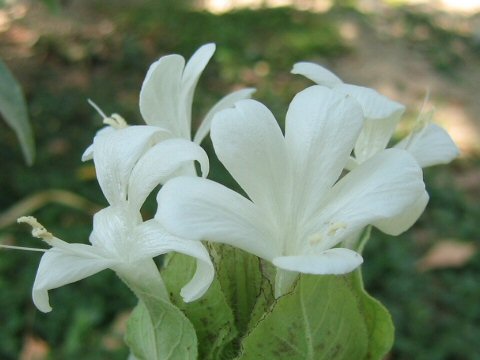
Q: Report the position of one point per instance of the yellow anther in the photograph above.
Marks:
(332, 230)
(115, 121)
(38, 230)
(315, 239)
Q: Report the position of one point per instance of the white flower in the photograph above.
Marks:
(428, 143)
(299, 211)
(120, 239)
(167, 94)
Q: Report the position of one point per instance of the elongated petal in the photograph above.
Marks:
(381, 118)
(111, 229)
(158, 164)
(200, 209)
(63, 266)
(115, 155)
(191, 74)
(333, 261)
(321, 128)
(88, 153)
(382, 188)
(154, 240)
(430, 146)
(250, 144)
(160, 94)
(318, 74)
(224, 103)
(404, 221)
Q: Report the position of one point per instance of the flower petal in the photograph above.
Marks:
(318, 74)
(158, 164)
(61, 266)
(430, 146)
(115, 155)
(224, 103)
(381, 118)
(321, 128)
(404, 221)
(381, 188)
(200, 209)
(160, 95)
(88, 153)
(154, 240)
(250, 144)
(333, 261)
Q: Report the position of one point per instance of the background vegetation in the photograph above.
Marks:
(97, 50)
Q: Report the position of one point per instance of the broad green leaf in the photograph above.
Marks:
(14, 110)
(241, 280)
(211, 316)
(380, 329)
(160, 332)
(320, 319)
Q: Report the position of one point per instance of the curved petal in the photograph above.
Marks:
(383, 187)
(88, 153)
(430, 146)
(250, 144)
(158, 164)
(61, 266)
(111, 229)
(197, 209)
(318, 74)
(154, 240)
(191, 74)
(224, 103)
(333, 261)
(404, 221)
(321, 128)
(381, 118)
(160, 94)
(115, 155)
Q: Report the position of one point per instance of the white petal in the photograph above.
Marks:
(115, 155)
(404, 221)
(200, 209)
(318, 74)
(63, 266)
(250, 144)
(430, 146)
(224, 103)
(382, 188)
(154, 240)
(382, 115)
(160, 95)
(191, 74)
(158, 164)
(88, 153)
(334, 261)
(111, 229)
(321, 128)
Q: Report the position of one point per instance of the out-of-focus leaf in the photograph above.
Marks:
(14, 110)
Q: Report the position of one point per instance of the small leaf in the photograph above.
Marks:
(14, 110)
(161, 333)
(320, 319)
(210, 315)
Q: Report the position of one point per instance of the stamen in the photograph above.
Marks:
(21, 248)
(38, 230)
(97, 108)
(115, 120)
(334, 227)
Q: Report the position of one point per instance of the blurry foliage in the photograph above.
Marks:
(435, 312)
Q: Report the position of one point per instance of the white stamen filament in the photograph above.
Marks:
(38, 230)
(115, 120)
(21, 248)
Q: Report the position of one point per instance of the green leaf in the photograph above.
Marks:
(320, 319)
(160, 332)
(211, 315)
(241, 280)
(14, 110)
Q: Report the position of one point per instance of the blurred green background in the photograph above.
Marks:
(64, 52)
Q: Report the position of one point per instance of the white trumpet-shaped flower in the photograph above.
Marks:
(167, 93)
(298, 210)
(129, 162)
(428, 143)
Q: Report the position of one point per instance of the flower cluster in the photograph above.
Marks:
(310, 191)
